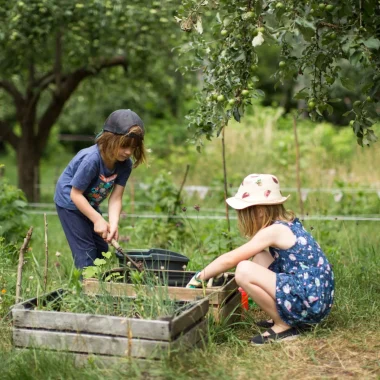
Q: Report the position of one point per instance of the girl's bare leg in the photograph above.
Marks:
(260, 284)
(264, 258)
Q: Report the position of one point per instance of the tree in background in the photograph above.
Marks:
(320, 44)
(49, 47)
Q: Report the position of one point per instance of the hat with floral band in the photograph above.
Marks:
(257, 189)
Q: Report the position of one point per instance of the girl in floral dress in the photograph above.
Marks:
(289, 276)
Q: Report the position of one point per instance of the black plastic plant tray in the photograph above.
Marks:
(155, 258)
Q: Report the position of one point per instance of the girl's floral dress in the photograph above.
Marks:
(304, 279)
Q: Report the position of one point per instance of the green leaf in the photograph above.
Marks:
(236, 114)
(240, 57)
(349, 83)
(371, 135)
(320, 60)
(302, 94)
(329, 109)
(356, 57)
(99, 262)
(335, 100)
(306, 28)
(90, 272)
(372, 43)
(107, 255)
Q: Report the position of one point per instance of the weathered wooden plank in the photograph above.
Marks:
(104, 345)
(90, 323)
(192, 337)
(87, 343)
(32, 302)
(189, 317)
(230, 312)
(215, 295)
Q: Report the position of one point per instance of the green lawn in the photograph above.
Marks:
(347, 344)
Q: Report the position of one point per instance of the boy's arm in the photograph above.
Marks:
(101, 227)
(114, 210)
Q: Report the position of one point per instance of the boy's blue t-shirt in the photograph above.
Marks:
(87, 172)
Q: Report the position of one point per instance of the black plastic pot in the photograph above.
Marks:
(156, 258)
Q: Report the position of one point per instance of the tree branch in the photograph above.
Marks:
(69, 83)
(58, 59)
(6, 134)
(14, 92)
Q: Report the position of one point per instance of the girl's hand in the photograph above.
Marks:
(102, 228)
(195, 282)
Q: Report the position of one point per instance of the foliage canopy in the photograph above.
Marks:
(321, 44)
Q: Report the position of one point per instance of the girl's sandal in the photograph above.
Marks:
(289, 334)
(265, 324)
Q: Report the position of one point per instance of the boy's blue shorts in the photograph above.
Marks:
(85, 244)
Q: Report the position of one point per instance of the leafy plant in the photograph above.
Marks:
(320, 45)
(100, 265)
(162, 196)
(13, 219)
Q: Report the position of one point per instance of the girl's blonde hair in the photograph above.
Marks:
(109, 144)
(252, 219)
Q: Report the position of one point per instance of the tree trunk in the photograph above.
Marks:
(28, 161)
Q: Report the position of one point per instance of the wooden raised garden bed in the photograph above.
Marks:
(225, 301)
(91, 334)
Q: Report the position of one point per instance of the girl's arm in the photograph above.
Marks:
(269, 236)
(114, 210)
(101, 227)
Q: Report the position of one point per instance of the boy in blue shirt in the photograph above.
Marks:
(92, 175)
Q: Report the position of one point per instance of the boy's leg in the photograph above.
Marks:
(79, 231)
(101, 244)
(260, 284)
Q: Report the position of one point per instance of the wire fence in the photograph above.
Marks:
(351, 218)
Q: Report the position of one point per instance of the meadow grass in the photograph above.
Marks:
(346, 344)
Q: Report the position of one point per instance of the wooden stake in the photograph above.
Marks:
(132, 192)
(180, 189)
(298, 175)
(46, 254)
(21, 263)
(225, 184)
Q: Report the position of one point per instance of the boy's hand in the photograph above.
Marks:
(113, 234)
(101, 227)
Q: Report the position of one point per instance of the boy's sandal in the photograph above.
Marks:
(289, 334)
(265, 324)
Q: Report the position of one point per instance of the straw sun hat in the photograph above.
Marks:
(257, 189)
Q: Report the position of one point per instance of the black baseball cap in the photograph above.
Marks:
(121, 121)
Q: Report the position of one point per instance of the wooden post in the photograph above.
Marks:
(298, 175)
(21, 263)
(46, 253)
(225, 184)
(132, 187)
(180, 190)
